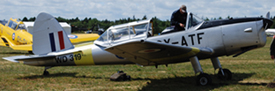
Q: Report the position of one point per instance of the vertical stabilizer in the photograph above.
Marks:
(267, 15)
(49, 36)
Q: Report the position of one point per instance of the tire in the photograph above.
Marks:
(128, 77)
(227, 74)
(46, 73)
(203, 79)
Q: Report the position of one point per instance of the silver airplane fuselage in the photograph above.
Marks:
(224, 39)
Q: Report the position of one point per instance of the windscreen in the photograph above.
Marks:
(12, 25)
(194, 21)
(125, 32)
(21, 26)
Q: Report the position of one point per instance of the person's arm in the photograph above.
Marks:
(173, 20)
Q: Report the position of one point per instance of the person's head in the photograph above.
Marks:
(183, 9)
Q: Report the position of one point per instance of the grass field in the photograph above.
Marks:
(251, 71)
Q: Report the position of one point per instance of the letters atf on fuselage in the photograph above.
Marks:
(194, 38)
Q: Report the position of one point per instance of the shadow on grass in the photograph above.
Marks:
(174, 84)
(59, 75)
(189, 83)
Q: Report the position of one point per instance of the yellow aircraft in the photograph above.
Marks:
(13, 34)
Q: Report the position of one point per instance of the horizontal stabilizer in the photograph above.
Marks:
(28, 58)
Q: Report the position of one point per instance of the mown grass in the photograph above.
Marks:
(251, 71)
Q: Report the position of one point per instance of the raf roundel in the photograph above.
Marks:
(13, 36)
(72, 36)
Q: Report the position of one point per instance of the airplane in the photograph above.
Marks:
(270, 32)
(13, 34)
(134, 43)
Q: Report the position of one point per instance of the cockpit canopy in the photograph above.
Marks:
(192, 21)
(123, 32)
(16, 25)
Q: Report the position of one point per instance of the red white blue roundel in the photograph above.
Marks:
(72, 36)
(13, 36)
(149, 50)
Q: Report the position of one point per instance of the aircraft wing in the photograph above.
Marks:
(27, 47)
(78, 38)
(153, 53)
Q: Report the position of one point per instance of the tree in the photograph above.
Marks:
(25, 19)
(134, 18)
(60, 19)
(206, 19)
(228, 17)
(86, 20)
(144, 17)
(32, 19)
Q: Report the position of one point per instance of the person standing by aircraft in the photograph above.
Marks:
(178, 18)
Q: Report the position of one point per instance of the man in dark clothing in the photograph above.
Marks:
(272, 48)
(178, 18)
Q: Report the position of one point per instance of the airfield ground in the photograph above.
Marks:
(253, 70)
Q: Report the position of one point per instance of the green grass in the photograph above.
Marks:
(251, 71)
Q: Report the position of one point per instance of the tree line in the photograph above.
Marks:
(78, 25)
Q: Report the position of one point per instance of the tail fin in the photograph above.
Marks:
(49, 36)
(267, 15)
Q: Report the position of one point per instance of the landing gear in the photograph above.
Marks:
(203, 79)
(224, 74)
(227, 75)
(45, 73)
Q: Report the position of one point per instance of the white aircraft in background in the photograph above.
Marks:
(270, 32)
(134, 43)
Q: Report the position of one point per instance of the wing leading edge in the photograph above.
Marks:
(152, 53)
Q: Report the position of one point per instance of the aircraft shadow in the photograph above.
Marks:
(174, 84)
(60, 75)
(189, 84)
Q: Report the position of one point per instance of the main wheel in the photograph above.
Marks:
(203, 79)
(227, 74)
(128, 77)
(45, 73)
